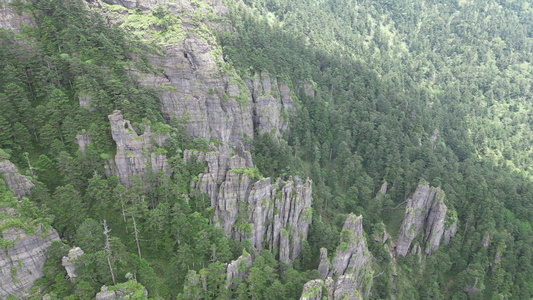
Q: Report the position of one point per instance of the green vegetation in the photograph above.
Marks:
(404, 92)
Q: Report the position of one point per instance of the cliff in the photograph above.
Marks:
(24, 241)
(134, 153)
(349, 274)
(19, 184)
(273, 214)
(11, 18)
(425, 212)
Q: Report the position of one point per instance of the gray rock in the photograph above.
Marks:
(486, 240)
(26, 256)
(351, 264)
(272, 104)
(324, 266)
(450, 232)
(277, 215)
(238, 268)
(69, 261)
(313, 290)
(19, 184)
(83, 140)
(119, 293)
(105, 294)
(425, 212)
(10, 20)
(134, 155)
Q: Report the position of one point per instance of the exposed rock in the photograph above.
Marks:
(277, 215)
(199, 88)
(450, 232)
(323, 267)
(134, 155)
(425, 212)
(22, 263)
(346, 288)
(83, 140)
(19, 184)
(69, 261)
(10, 19)
(434, 136)
(383, 189)
(486, 240)
(272, 104)
(105, 294)
(237, 268)
(313, 290)
(351, 264)
(121, 291)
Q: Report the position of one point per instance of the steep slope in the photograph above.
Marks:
(425, 212)
(24, 240)
(348, 275)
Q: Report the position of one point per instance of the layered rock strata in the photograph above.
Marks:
(273, 214)
(13, 19)
(69, 261)
(134, 153)
(425, 212)
(349, 274)
(272, 104)
(238, 268)
(22, 263)
(19, 184)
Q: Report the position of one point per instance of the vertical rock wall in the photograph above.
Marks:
(425, 212)
(134, 155)
(349, 274)
(277, 215)
(22, 262)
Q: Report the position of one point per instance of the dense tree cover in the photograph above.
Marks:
(65, 77)
(387, 75)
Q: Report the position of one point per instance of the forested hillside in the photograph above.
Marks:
(246, 149)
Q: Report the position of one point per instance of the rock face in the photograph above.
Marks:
(22, 263)
(69, 261)
(122, 292)
(313, 290)
(237, 268)
(351, 265)
(425, 212)
(19, 184)
(134, 153)
(10, 19)
(196, 86)
(276, 215)
(272, 104)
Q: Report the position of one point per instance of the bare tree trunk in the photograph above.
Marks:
(136, 236)
(108, 250)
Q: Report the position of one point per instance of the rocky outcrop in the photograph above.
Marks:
(272, 104)
(349, 274)
(69, 261)
(246, 207)
(23, 256)
(19, 184)
(425, 212)
(238, 268)
(12, 18)
(22, 263)
(83, 140)
(122, 291)
(313, 290)
(134, 153)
